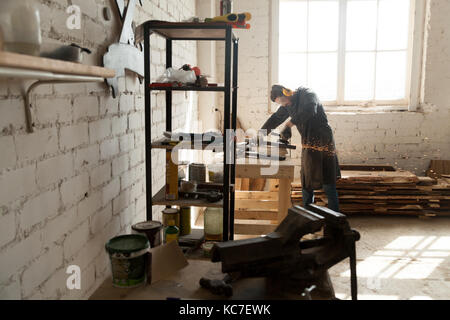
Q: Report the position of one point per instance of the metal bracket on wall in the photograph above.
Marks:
(27, 98)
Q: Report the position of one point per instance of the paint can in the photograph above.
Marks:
(128, 255)
(171, 214)
(185, 221)
(152, 229)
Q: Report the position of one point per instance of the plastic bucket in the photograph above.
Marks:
(152, 230)
(128, 260)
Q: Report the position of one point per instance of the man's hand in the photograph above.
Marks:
(286, 134)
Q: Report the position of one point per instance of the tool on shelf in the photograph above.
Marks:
(73, 53)
(236, 20)
(209, 195)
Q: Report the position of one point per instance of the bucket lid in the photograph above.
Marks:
(127, 243)
(170, 210)
(147, 225)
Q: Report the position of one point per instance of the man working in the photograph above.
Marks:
(320, 166)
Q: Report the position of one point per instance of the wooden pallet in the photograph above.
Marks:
(386, 192)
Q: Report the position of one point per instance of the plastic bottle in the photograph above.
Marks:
(20, 26)
(172, 232)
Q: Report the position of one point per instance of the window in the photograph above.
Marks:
(350, 52)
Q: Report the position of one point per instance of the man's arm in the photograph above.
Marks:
(276, 119)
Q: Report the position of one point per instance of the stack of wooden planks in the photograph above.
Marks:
(373, 191)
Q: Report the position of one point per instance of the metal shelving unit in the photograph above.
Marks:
(173, 31)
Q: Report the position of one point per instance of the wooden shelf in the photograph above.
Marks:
(188, 145)
(160, 199)
(188, 30)
(47, 71)
(56, 67)
(188, 88)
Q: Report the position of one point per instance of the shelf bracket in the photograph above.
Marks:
(34, 85)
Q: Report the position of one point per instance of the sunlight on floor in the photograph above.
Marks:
(405, 258)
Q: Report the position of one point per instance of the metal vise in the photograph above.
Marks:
(282, 255)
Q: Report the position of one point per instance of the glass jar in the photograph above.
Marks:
(213, 224)
(20, 26)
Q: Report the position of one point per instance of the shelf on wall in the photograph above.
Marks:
(47, 71)
(187, 88)
(160, 199)
(187, 30)
(57, 68)
(185, 145)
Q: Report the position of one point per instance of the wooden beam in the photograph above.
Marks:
(256, 215)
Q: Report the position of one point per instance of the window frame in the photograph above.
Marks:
(414, 61)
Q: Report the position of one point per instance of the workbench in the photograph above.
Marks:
(184, 284)
(260, 212)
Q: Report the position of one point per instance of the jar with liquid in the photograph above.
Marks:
(20, 26)
(213, 224)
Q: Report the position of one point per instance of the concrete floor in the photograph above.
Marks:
(399, 258)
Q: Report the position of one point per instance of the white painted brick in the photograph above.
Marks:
(14, 258)
(76, 240)
(39, 208)
(126, 103)
(12, 114)
(39, 143)
(87, 157)
(54, 169)
(127, 142)
(7, 228)
(17, 183)
(89, 252)
(85, 107)
(10, 291)
(100, 175)
(41, 269)
(139, 102)
(102, 262)
(54, 287)
(8, 158)
(135, 120)
(110, 191)
(58, 227)
(127, 216)
(109, 148)
(99, 130)
(139, 139)
(120, 165)
(122, 201)
(136, 157)
(89, 205)
(74, 136)
(109, 105)
(100, 219)
(119, 125)
(52, 110)
(74, 189)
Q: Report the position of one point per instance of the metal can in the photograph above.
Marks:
(185, 221)
(171, 214)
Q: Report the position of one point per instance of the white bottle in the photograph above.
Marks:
(20, 26)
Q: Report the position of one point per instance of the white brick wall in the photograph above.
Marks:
(79, 179)
(366, 137)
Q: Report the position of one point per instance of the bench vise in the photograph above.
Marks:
(293, 263)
